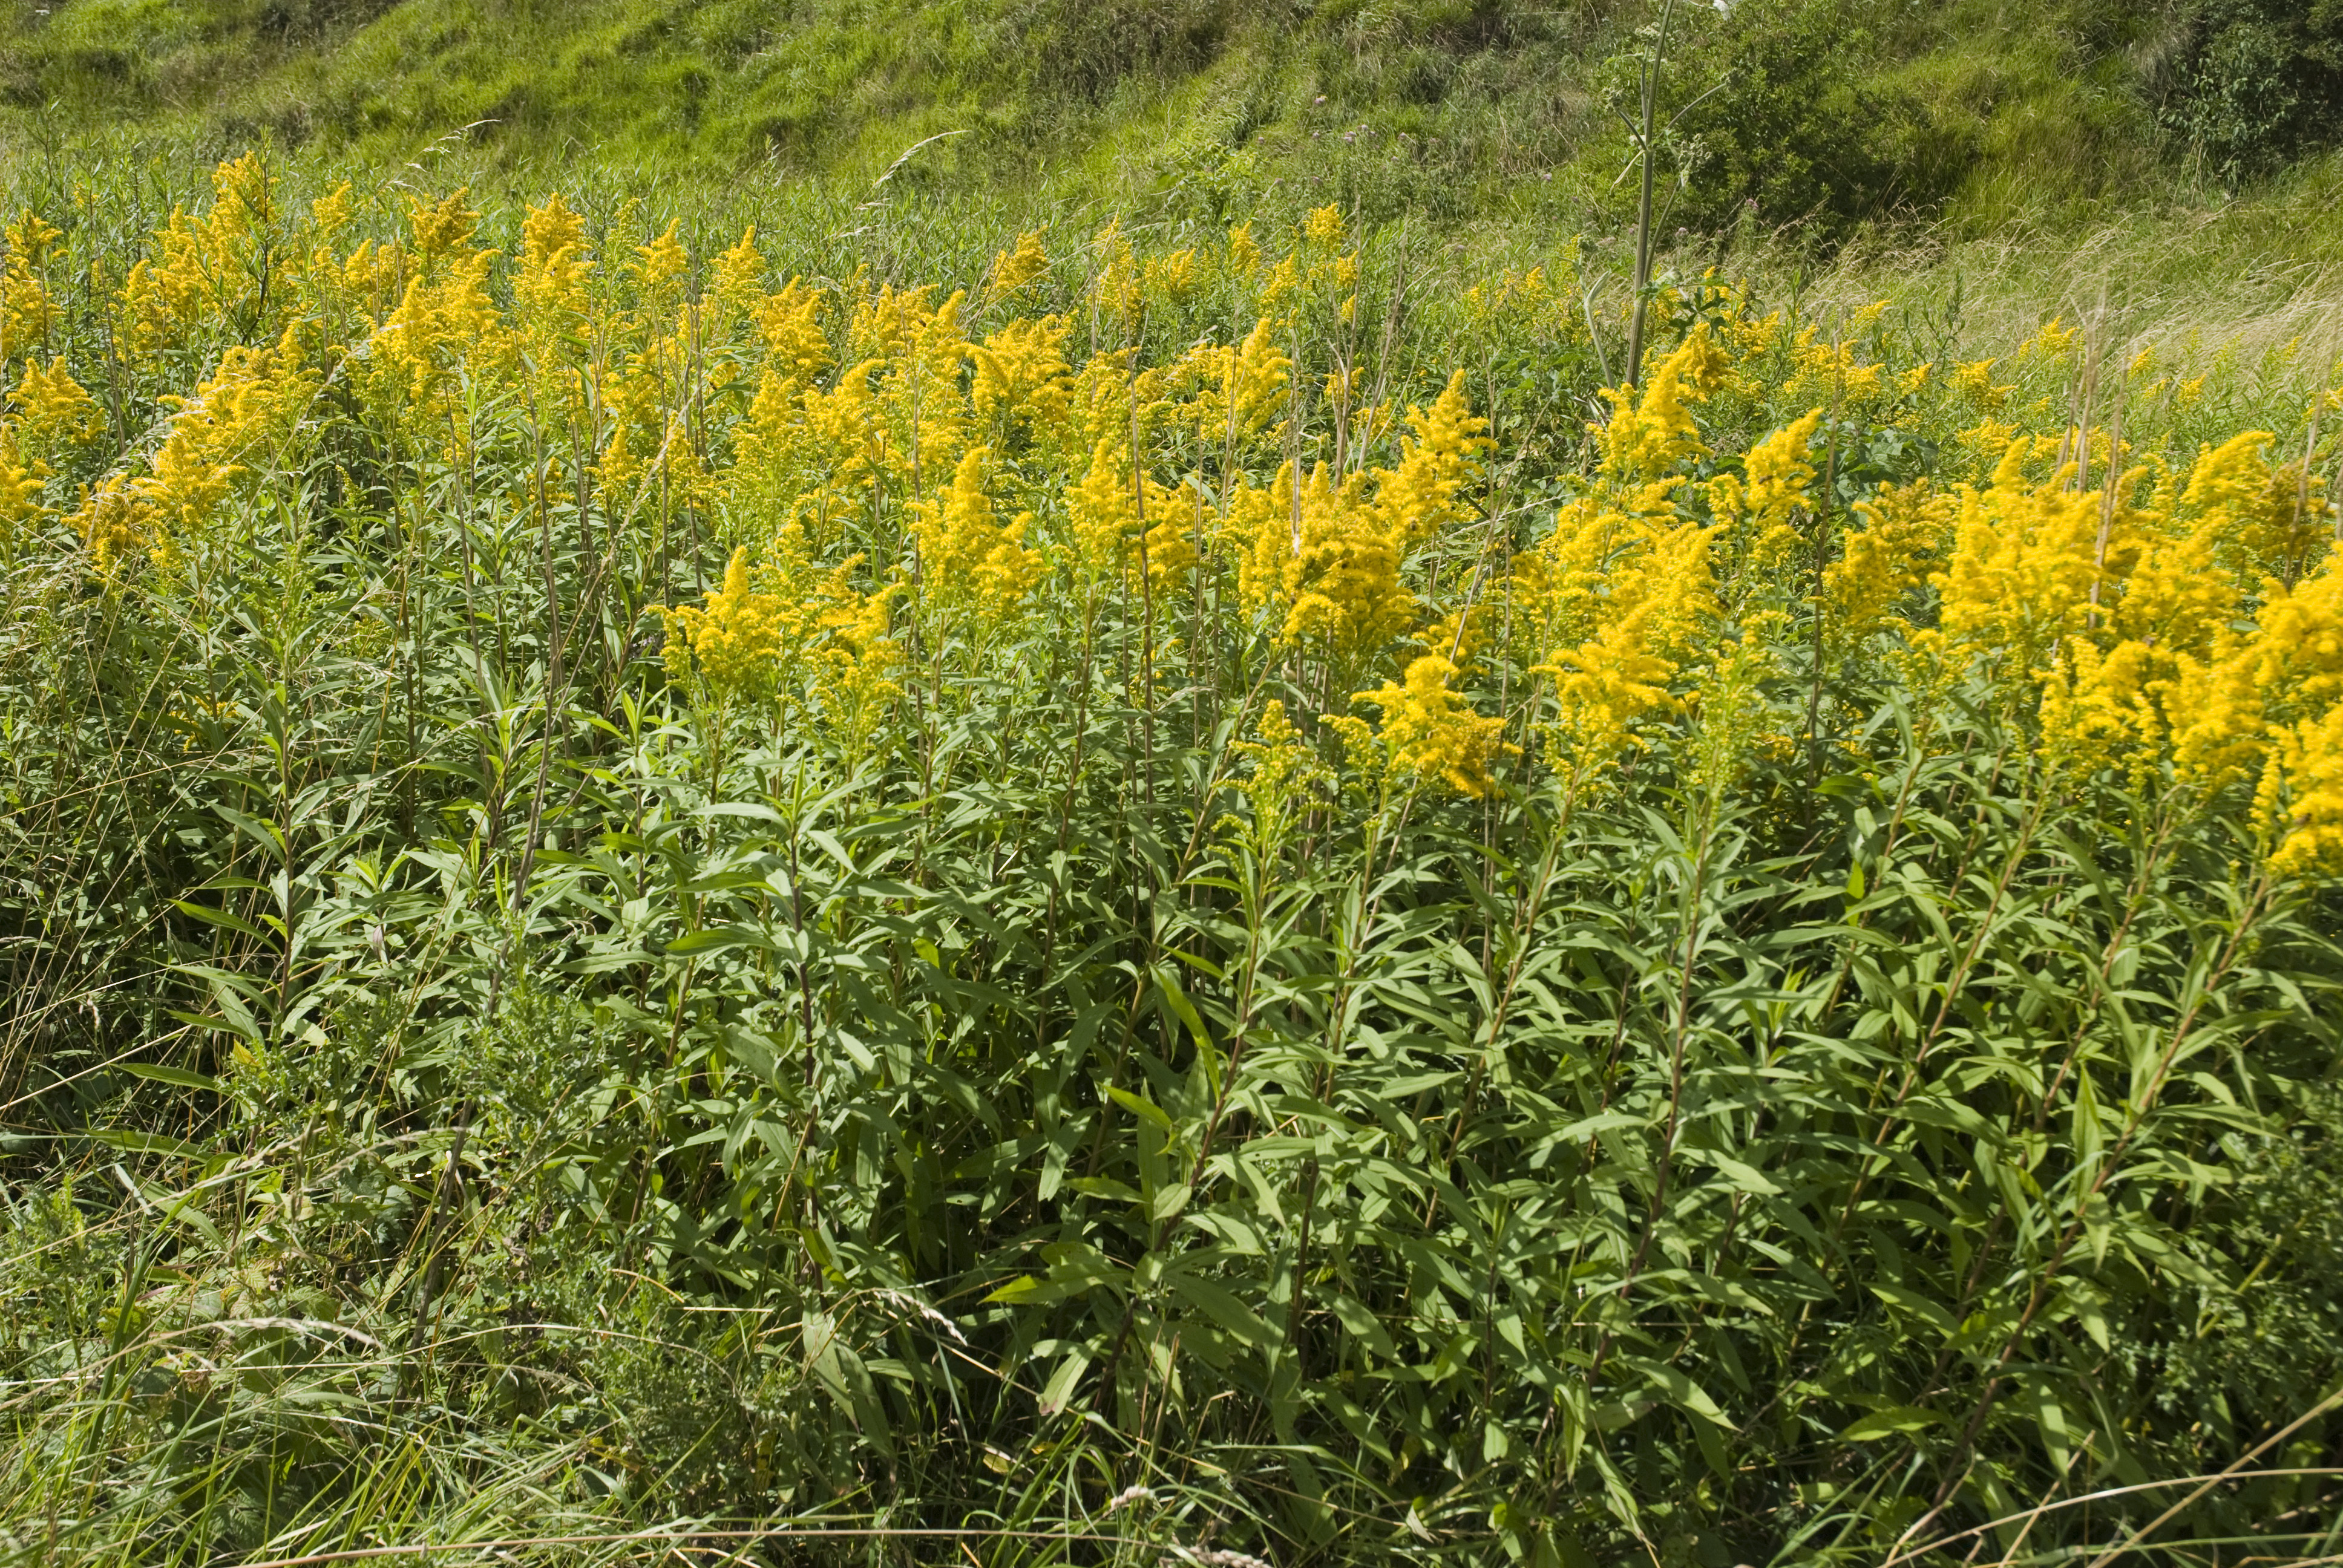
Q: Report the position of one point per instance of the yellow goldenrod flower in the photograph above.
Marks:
(27, 312)
(1975, 382)
(1284, 774)
(968, 561)
(658, 270)
(1250, 375)
(734, 643)
(20, 480)
(2055, 339)
(1419, 498)
(1013, 268)
(251, 401)
(550, 283)
(739, 277)
(1906, 530)
(1656, 602)
(1756, 510)
(1651, 434)
(1021, 374)
(1431, 732)
(1117, 288)
(1244, 261)
(2309, 761)
(53, 410)
(206, 267)
(1167, 279)
(2024, 560)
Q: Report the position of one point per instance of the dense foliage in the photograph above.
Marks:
(1191, 899)
(1831, 116)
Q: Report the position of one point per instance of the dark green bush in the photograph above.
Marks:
(1800, 131)
(2256, 83)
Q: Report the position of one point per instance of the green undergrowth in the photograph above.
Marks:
(1829, 116)
(463, 1082)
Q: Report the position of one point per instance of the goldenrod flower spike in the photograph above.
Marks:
(53, 411)
(1431, 732)
(1015, 267)
(2309, 763)
(1419, 498)
(733, 644)
(969, 562)
(550, 285)
(1905, 532)
(1756, 512)
(27, 312)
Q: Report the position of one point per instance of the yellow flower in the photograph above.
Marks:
(2097, 709)
(331, 213)
(27, 312)
(1101, 510)
(1419, 498)
(2023, 563)
(20, 486)
(734, 643)
(966, 559)
(1284, 774)
(1117, 287)
(739, 276)
(1250, 375)
(1975, 382)
(1020, 374)
(115, 521)
(253, 400)
(550, 283)
(1244, 260)
(1167, 279)
(657, 270)
(2309, 761)
(1012, 269)
(853, 670)
(1832, 370)
(1906, 531)
(1756, 512)
(203, 268)
(1651, 434)
(1625, 605)
(2055, 339)
(53, 410)
(1431, 732)
(1327, 563)
(445, 323)
(1323, 226)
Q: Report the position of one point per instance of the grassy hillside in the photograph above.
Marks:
(1829, 112)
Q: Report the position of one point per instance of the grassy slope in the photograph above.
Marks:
(1495, 96)
(1477, 117)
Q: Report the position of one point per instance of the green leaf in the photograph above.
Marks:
(1890, 1423)
(178, 1076)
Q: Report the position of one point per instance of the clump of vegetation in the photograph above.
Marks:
(1815, 121)
(2254, 83)
(1101, 894)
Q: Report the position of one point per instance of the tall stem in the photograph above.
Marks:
(1644, 205)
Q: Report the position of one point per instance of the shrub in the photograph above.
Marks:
(2256, 84)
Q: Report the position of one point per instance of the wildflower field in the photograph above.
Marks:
(1131, 894)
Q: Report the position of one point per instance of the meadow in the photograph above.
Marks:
(758, 874)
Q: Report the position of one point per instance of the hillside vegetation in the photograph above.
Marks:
(1826, 112)
(1105, 844)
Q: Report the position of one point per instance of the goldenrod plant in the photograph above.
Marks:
(1109, 902)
